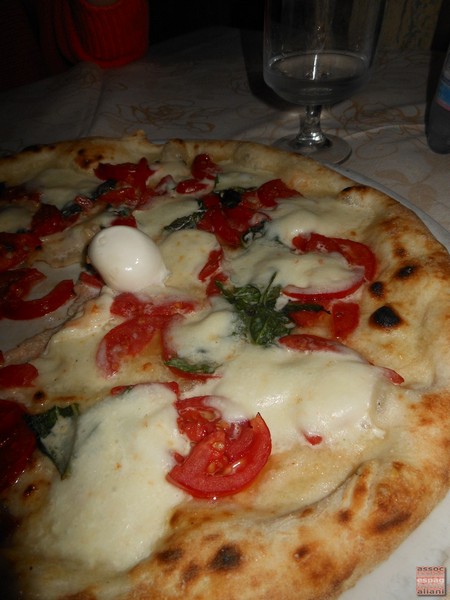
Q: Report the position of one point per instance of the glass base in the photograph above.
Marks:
(334, 152)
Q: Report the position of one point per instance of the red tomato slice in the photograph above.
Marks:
(212, 264)
(18, 309)
(21, 375)
(126, 305)
(197, 419)
(15, 247)
(165, 185)
(18, 283)
(128, 221)
(49, 219)
(17, 443)
(203, 167)
(345, 318)
(392, 375)
(91, 280)
(191, 186)
(221, 465)
(215, 221)
(338, 292)
(127, 339)
(135, 174)
(313, 438)
(355, 253)
(130, 337)
(271, 191)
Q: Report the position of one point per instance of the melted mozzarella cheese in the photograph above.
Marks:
(311, 270)
(127, 259)
(231, 178)
(305, 215)
(185, 253)
(116, 502)
(15, 218)
(60, 186)
(162, 213)
(332, 394)
(209, 337)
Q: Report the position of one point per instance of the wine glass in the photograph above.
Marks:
(316, 53)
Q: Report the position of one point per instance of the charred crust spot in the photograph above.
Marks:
(85, 160)
(39, 397)
(29, 490)
(307, 512)
(344, 516)
(385, 317)
(170, 555)
(377, 289)
(302, 552)
(191, 573)
(394, 521)
(228, 557)
(400, 252)
(406, 272)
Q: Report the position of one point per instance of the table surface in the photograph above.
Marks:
(208, 85)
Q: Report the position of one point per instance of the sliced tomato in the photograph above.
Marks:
(212, 272)
(126, 305)
(305, 342)
(215, 221)
(273, 190)
(191, 186)
(17, 443)
(392, 375)
(212, 264)
(127, 220)
(17, 283)
(18, 309)
(18, 375)
(91, 280)
(134, 174)
(224, 462)
(313, 438)
(355, 253)
(49, 219)
(203, 167)
(319, 296)
(127, 339)
(132, 336)
(196, 419)
(165, 185)
(15, 247)
(125, 196)
(345, 318)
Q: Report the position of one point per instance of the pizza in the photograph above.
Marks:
(225, 372)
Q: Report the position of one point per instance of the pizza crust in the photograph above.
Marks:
(319, 548)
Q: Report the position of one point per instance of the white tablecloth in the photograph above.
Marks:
(209, 85)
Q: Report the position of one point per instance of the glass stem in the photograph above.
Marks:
(310, 133)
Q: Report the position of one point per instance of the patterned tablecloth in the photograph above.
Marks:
(209, 85)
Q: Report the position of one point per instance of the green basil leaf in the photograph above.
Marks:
(188, 222)
(55, 430)
(262, 322)
(184, 365)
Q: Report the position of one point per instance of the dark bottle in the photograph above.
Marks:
(438, 131)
